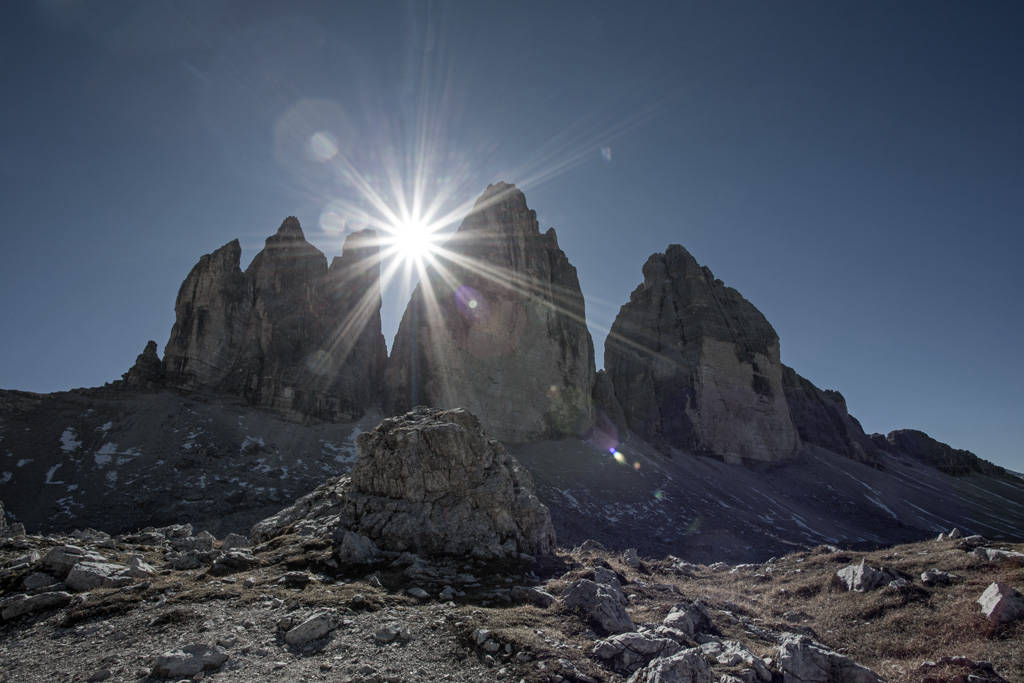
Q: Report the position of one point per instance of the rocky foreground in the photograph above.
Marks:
(436, 559)
(88, 607)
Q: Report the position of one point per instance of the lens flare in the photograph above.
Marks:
(619, 458)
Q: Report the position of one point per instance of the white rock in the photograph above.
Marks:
(804, 661)
(627, 652)
(937, 577)
(1001, 603)
(686, 666)
(689, 617)
(139, 568)
(861, 577)
(735, 653)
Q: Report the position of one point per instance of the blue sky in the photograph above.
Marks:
(856, 170)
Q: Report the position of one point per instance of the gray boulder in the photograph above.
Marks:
(189, 661)
(735, 653)
(802, 660)
(627, 652)
(60, 559)
(233, 561)
(23, 604)
(86, 576)
(312, 629)
(997, 555)
(1001, 604)
(689, 617)
(233, 540)
(600, 605)
(429, 482)
(937, 577)
(685, 666)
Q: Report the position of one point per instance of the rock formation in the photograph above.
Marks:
(912, 443)
(428, 482)
(148, 371)
(821, 419)
(695, 366)
(289, 333)
(499, 328)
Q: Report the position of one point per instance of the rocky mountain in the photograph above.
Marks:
(696, 367)
(695, 441)
(499, 328)
(289, 333)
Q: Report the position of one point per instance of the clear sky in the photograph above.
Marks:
(855, 169)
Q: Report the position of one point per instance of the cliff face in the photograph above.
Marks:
(499, 329)
(821, 419)
(695, 366)
(915, 444)
(288, 333)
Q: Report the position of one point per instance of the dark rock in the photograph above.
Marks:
(501, 331)
(943, 457)
(148, 371)
(289, 333)
(821, 419)
(695, 366)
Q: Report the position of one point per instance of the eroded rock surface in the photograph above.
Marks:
(289, 333)
(499, 328)
(428, 482)
(695, 366)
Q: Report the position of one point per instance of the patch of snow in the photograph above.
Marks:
(105, 454)
(49, 474)
(284, 471)
(800, 523)
(71, 487)
(882, 505)
(105, 427)
(569, 497)
(343, 453)
(202, 481)
(6, 477)
(249, 442)
(69, 442)
(112, 478)
(22, 462)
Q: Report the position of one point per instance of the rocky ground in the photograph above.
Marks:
(91, 607)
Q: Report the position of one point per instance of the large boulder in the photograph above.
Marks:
(862, 577)
(498, 327)
(686, 666)
(428, 482)
(289, 333)
(696, 367)
(600, 605)
(802, 660)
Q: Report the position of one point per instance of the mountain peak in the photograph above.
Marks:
(290, 229)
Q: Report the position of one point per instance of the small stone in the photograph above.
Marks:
(418, 593)
(189, 660)
(314, 628)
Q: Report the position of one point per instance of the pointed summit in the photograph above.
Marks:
(502, 331)
(290, 230)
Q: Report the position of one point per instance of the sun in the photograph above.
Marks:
(413, 239)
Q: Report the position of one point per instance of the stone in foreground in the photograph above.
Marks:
(189, 661)
(1001, 603)
(804, 661)
(428, 482)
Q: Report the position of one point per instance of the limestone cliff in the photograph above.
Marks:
(499, 329)
(289, 333)
(696, 367)
(821, 419)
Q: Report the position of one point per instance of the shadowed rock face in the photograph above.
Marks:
(821, 418)
(943, 457)
(502, 332)
(288, 333)
(696, 366)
